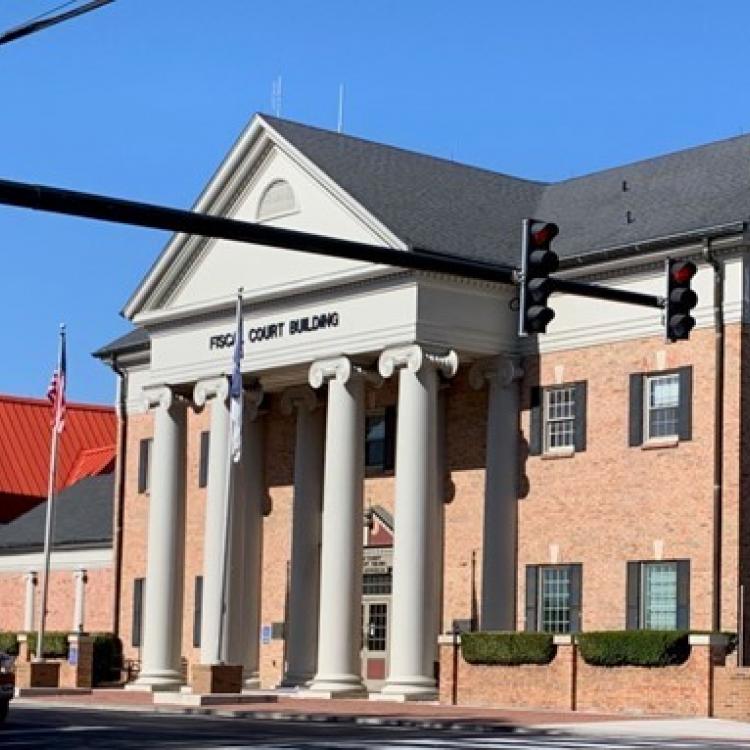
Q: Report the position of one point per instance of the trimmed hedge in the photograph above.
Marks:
(638, 648)
(55, 644)
(509, 649)
(8, 643)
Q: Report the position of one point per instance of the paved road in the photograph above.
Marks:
(29, 728)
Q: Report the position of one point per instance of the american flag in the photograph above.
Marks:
(56, 390)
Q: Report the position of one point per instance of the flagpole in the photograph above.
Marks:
(228, 489)
(50, 500)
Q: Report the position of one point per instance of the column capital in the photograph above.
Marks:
(217, 387)
(157, 397)
(323, 370)
(31, 576)
(342, 369)
(298, 397)
(414, 357)
(503, 370)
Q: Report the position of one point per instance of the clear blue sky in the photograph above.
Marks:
(142, 98)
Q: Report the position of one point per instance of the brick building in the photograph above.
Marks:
(409, 463)
(81, 591)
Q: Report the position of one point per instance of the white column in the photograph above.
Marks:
(215, 537)
(340, 624)
(243, 603)
(413, 620)
(162, 624)
(79, 605)
(304, 587)
(28, 611)
(498, 608)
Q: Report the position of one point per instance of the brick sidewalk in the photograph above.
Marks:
(362, 711)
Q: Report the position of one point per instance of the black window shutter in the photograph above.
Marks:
(389, 448)
(683, 594)
(535, 422)
(633, 596)
(143, 465)
(580, 416)
(203, 465)
(575, 579)
(686, 403)
(137, 611)
(636, 409)
(198, 611)
(532, 578)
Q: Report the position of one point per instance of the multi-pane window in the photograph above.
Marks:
(559, 418)
(659, 596)
(554, 599)
(375, 440)
(662, 405)
(376, 583)
(377, 626)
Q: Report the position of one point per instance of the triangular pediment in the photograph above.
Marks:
(263, 179)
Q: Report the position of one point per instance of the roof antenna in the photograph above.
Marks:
(276, 97)
(341, 108)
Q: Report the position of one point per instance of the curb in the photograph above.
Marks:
(293, 717)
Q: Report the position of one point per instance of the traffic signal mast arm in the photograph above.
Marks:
(119, 211)
(581, 289)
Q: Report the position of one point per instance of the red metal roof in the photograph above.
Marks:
(25, 434)
(91, 463)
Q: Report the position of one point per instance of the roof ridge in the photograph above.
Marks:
(652, 159)
(270, 119)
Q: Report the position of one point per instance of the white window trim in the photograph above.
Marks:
(562, 450)
(661, 440)
(644, 564)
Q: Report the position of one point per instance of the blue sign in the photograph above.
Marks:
(265, 634)
(73, 655)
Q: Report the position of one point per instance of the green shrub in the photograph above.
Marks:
(55, 644)
(639, 648)
(107, 657)
(8, 643)
(507, 648)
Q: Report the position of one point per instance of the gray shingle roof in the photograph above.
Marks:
(134, 340)
(83, 518)
(453, 208)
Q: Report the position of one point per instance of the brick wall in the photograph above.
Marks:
(60, 600)
(732, 693)
(569, 683)
(527, 685)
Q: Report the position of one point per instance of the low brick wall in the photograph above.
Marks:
(568, 683)
(732, 693)
(681, 690)
(527, 685)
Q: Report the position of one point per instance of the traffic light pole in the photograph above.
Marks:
(149, 215)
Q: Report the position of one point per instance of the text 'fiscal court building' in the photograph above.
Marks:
(409, 463)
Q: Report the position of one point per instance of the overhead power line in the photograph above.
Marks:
(42, 22)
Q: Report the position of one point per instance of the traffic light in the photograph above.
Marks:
(681, 299)
(537, 263)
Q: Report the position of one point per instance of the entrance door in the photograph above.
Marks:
(375, 634)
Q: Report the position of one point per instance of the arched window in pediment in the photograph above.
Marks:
(277, 199)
